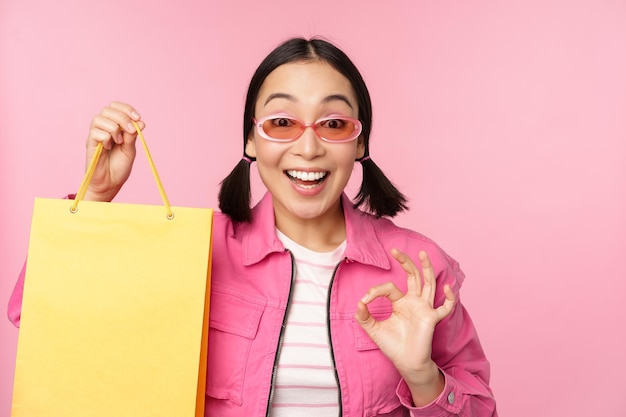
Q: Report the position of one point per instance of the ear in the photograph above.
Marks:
(251, 146)
(360, 148)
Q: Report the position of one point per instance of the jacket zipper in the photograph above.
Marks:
(330, 337)
(281, 336)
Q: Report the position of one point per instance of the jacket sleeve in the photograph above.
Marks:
(460, 357)
(15, 301)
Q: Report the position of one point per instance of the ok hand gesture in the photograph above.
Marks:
(406, 336)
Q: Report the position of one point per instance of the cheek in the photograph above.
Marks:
(266, 152)
(268, 156)
(348, 155)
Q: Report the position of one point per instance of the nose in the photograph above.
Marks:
(309, 145)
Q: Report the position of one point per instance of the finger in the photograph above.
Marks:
(102, 128)
(130, 136)
(129, 140)
(387, 290)
(414, 280)
(120, 117)
(363, 316)
(141, 125)
(127, 109)
(428, 273)
(97, 135)
(118, 124)
(446, 308)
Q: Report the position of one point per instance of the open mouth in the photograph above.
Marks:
(306, 179)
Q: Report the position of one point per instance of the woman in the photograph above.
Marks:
(317, 307)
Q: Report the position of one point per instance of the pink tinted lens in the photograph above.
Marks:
(336, 129)
(282, 128)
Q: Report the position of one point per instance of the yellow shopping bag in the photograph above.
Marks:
(115, 309)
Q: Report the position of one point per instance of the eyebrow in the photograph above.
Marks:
(326, 99)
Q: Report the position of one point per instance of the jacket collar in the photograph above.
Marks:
(362, 244)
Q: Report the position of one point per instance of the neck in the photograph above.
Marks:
(321, 234)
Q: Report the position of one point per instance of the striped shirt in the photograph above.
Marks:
(305, 378)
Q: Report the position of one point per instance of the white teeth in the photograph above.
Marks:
(306, 176)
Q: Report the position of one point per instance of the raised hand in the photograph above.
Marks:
(113, 127)
(406, 336)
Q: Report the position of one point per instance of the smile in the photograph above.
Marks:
(306, 179)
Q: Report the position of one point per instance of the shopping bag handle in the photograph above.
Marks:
(92, 167)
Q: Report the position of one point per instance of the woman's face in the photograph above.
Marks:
(307, 91)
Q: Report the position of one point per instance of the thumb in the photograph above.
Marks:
(130, 138)
(364, 318)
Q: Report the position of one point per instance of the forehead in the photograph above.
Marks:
(309, 81)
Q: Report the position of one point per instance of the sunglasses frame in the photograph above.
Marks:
(259, 127)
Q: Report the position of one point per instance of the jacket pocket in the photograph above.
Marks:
(233, 324)
(380, 377)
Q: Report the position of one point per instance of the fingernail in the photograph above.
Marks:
(130, 128)
(364, 299)
(135, 115)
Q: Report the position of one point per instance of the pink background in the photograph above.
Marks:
(504, 121)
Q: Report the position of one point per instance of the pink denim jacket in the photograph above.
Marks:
(251, 281)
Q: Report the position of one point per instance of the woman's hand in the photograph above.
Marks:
(406, 336)
(113, 127)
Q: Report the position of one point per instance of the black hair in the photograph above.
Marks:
(379, 196)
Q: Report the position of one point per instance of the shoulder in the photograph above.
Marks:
(386, 229)
(224, 229)
(391, 235)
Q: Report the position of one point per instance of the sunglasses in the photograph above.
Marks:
(333, 129)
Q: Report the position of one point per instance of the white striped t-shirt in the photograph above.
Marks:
(305, 379)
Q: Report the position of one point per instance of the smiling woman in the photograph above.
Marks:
(346, 313)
